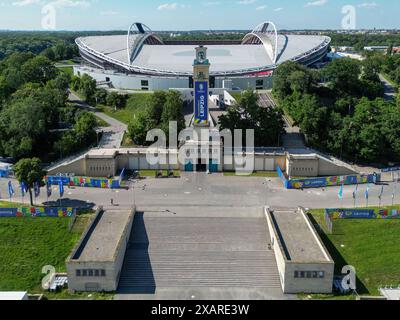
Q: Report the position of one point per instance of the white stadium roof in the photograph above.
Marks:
(256, 53)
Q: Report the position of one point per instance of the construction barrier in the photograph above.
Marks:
(38, 212)
(85, 182)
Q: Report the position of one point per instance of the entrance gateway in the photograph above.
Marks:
(208, 160)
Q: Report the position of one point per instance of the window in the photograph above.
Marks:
(84, 273)
(103, 273)
(309, 274)
(108, 79)
(259, 83)
(96, 273)
(144, 83)
(78, 273)
(91, 273)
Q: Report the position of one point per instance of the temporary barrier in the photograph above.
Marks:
(337, 214)
(283, 177)
(39, 212)
(322, 182)
(85, 182)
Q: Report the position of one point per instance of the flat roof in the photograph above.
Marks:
(101, 242)
(223, 58)
(297, 238)
(13, 295)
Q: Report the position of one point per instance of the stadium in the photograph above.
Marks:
(141, 60)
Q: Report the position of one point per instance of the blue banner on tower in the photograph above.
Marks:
(201, 103)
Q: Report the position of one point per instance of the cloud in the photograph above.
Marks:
(167, 6)
(211, 3)
(246, 2)
(368, 5)
(71, 4)
(24, 3)
(278, 9)
(56, 3)
(261, 8)
(317, 3)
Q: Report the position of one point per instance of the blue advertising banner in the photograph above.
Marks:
(201, 103)
(332, 181)
(335, 214)
(37, 212)
(392, 169)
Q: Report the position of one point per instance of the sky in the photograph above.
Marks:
(197, 14)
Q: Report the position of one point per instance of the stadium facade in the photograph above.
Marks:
(141, 60)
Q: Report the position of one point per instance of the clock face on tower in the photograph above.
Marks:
(201, 56)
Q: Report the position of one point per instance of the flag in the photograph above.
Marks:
(23, 188)
(367, 193)
(341, 192)
(122, 175)
(355, 193)
(61, 187)
(381, 194)
(36, 188)
(48, 188)
(10, 189)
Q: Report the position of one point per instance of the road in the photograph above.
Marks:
(112, 135)
(390, 91)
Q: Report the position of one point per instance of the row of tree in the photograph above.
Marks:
(162, 107)
(267, 123)
(341, 108)
(34, 113)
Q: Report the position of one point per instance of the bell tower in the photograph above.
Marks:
(201, 79)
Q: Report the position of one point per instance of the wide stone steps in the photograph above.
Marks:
(198, 252)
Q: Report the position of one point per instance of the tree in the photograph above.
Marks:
(156, 105)
(289, 77)
(116, 100)
(87, 87)
(23, 129)
(85, 128)
(30, 172)
(267, 123)
(344, 76)
(139, 127)
(101, 96)
(172, 112)
(39, 70)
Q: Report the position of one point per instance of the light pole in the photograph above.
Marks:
(133, 191)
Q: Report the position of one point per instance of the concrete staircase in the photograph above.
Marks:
(174, 252)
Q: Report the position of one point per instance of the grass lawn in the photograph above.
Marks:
(6, 204)
(387, 77)
(26, 245)
(268, 174)
(371, 246)
(236, 95)
(135, 103)
(152, 173)
(68, 70)
(101, 123)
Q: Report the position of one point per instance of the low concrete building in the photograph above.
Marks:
(96, 262)
(304, 263)
(13, 296)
